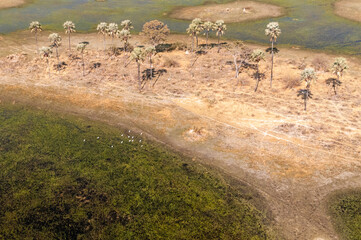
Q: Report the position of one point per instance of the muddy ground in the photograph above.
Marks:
(11, 3)
(293, 158)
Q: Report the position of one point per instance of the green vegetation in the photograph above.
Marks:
(346, 210)
(67, 178)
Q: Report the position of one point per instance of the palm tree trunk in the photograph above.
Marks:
(36, 40)
(151, 67)
(57, 56)
(82, 57)
(272, 66)
(196, 41)
(207, 36)
(193, 43)
(219, 45)
(104, 41)
(257, 76)
(236, 66)
(139, 82)
(69, 43)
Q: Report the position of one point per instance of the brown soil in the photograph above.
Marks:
(293, 158)
(349, 9)
(229, 12)
(11, 3)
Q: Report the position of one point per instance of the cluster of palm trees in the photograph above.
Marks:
(157, 32)
(112, 30)
(197, 26)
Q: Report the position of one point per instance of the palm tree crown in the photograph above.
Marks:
(55, 39)
(112, 29)
(102, 28)
(257, 55)
(273, 31)
(35, 26)
(45, 52)
(308, 75)
(69, 27)
(220, 27)
(127, 24)
(339, 66)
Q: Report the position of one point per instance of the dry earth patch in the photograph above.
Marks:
(11, 3)
(350, 9)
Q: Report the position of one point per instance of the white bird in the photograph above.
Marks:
(132, 137)
(140, 140)
(141, 146)
(128, 136)
(97, 137)
(121, 142)
(129, 131)
(112, 146)
(141, 133)
(84, 140)
(122, 135)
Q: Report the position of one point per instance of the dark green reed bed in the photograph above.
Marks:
(346, 211)
(59, 181)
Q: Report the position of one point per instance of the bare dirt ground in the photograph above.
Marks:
(293, 158)
(349, 9)
(229, 12)
(11, 3)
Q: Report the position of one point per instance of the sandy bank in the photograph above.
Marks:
(350, 9)
(293, 158)
(230, 12)
(11, 3)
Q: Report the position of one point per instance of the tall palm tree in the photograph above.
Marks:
(273, 31)
(138, 55)
(35, 27)
(45, 52)
(102, 29)
(208, 27)
(257, 56)
(338, 68)
(150, 52)
(124, 34)
(220, 29)
(192, 30)
(113, 30)
(69, 27)
(308, 75)
(55, 41)
(81, 47)
(127, 25)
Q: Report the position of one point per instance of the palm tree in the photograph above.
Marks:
(192, 31)
(220, 29)
(35, 27)
(138, 55)
(127, 25)
(305, 95)
(102, 29)
(308, 75)
(338, 68)
(45, 52)
(199, 28)
(208, 27)
(113, 30)
(150, 52)
(81, 47)
(55, 41)
(124, 34)
(69, 27)
(257, 56)
(273, 31)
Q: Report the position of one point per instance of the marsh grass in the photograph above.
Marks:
(68, 178)
(345, 209)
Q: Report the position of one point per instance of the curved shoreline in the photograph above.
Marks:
(349, 9)
(11, 3)
(233, 12)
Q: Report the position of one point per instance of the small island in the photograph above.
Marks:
(233, 12)
(11, 3)
(349, 9)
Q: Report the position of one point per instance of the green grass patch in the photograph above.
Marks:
(58, 180)
(346, 212)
